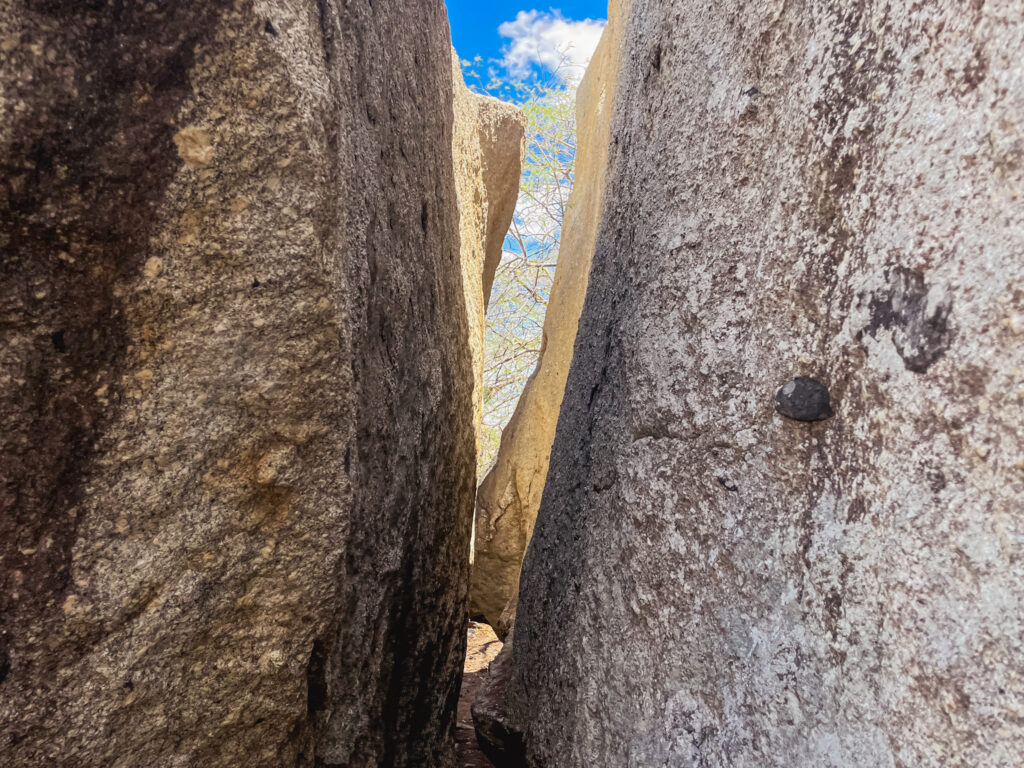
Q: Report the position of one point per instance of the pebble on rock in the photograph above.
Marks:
(804, 399)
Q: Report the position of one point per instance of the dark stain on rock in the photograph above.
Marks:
(316, 680)
(269, 28)
(833, 612)
(727, 484)
(5, 660)
(804, 399)
(975, 70)
(656, 59)
(936, 480)
(920, 328)
(836, 167)
(834, 175)
(855, 512)
(328, 29)
(90, 157)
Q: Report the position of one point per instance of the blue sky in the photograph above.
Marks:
(533, 33)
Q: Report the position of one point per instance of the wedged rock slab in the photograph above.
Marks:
(487, 152)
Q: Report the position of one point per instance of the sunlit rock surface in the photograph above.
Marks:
(828, 190)
(487, 150)
(236, 424)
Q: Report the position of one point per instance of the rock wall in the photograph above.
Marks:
(488, 151)
(827, 190)
(236, 428)
(509, 496)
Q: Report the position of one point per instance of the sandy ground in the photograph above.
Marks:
(482, 648)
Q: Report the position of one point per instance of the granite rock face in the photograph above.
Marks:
(829, 190)
(509, 496)
(236, 426)
(487, 149)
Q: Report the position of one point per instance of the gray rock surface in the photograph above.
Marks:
(236, 426)
(831, 190)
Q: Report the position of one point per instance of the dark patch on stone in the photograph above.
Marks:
(751, 91)
(920, 333)
(90, 149)
(255, 283)
(326, 22)
(834, 612)
(316, 680)
(975, 70)
(269, 28)
(936, 480)
(604, 478)
(5, 660)
(855, 512)
(804, 399)
(725, 483)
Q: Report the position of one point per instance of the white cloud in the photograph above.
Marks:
(550, 40)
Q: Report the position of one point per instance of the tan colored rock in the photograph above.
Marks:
(795, 188)
(487, 149)
(236, 425)
(509, 496)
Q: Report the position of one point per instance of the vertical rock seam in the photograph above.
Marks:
(236, 424)
(509, 496)
(795, 189)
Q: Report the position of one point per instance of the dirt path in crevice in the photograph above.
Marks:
(483, 646)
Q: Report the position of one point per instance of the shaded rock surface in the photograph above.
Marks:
(236, 425)
(509, 496)
(487, 149)
(498, 738)
(830, 190)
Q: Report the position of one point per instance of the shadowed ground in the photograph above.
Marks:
(483, 645)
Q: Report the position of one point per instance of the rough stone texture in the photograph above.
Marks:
(236, 432)
(509, 496)
(497, 737)
(487, 149)
(795, 188)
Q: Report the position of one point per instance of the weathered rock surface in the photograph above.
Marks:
(487, 149)
(235, 386)
(831, 190)
(509, 496)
